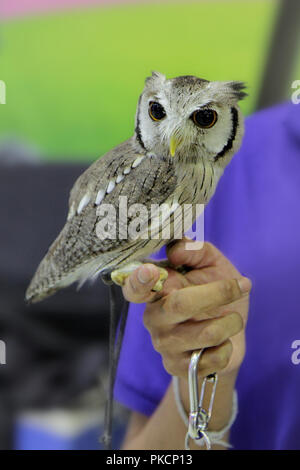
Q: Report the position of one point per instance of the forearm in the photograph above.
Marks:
(165, 428)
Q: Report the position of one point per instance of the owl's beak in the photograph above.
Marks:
(174, 142)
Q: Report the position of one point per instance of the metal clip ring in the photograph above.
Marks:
(199, 417)
(204, 436)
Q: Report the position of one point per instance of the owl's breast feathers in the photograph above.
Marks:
(124, 171)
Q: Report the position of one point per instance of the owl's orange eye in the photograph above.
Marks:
(205, 118)
(156, 111)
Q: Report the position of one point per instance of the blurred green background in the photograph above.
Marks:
(73, 78)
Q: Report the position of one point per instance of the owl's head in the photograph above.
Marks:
(188, 117)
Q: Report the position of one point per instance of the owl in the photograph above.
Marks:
(187, 130)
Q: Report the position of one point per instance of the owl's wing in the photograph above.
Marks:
(123, 172)
(123, 176)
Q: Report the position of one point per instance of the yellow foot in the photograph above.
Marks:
(119, 275)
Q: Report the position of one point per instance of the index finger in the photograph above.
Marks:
(198, 301)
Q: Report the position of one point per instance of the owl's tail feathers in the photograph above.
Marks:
(45, 282)
(53, 275)
(32, 296)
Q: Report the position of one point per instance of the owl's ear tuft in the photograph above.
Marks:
(237, 89)
(156, 78)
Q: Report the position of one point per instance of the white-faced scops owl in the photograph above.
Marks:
(187, 129)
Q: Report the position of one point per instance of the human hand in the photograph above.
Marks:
(205, 308)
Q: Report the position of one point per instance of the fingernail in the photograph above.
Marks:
(144, 274)
(244, 285)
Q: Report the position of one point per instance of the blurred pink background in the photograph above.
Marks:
(9, 8)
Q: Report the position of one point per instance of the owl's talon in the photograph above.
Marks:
(160, 283)
(118, 276)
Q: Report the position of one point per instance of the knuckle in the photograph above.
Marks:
(160, 342)
(166, 342)
(174, 303)
(227, 290)
(176, 341)
(224, 361)
(220, 360)
(211, 335)
(226, 352)
(238, 322)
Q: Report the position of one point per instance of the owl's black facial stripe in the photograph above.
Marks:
(228, 146)
(138, 128)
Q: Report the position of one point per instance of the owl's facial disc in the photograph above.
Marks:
(170, 128)
(189, 118)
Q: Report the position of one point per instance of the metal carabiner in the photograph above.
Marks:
(198, 416)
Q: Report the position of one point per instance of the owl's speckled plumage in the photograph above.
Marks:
(143, 170)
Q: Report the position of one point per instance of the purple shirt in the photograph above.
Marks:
(254, 219)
